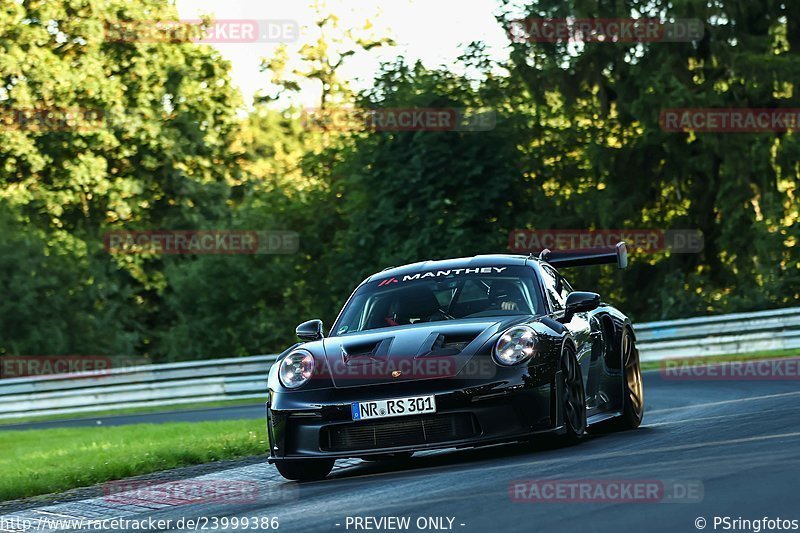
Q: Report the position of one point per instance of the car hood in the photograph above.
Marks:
(430, 350)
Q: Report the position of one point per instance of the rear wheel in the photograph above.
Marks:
(633, 390)
(304, 469)
(574, 397)
(633, 400)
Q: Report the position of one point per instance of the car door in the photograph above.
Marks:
(584, 332)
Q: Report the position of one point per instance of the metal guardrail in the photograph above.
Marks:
(138, 386)
(719, 335)
(245, 377)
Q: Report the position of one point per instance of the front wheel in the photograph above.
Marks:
(304, 469)
(574, 397)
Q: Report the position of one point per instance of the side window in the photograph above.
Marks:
(444, 297)
(565, 287)
(554, 286)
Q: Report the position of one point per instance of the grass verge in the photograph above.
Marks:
(43, 461)
(654, 365)
(133, 411)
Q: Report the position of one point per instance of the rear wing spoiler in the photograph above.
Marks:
(597, 256)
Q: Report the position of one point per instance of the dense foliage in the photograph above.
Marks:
(577, 144)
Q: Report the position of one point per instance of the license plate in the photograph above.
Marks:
(416, 405)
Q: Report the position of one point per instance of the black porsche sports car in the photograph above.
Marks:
(455, 353)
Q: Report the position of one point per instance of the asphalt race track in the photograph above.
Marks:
(737, 441)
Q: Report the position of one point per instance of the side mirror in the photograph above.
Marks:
(622, 254)
(578, 302)
(311, 330)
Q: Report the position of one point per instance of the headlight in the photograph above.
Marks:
(515, 345)
(296, 369)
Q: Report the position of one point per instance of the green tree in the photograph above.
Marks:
(320, 58)
(601, 102)
(151, 147)
(55, 301)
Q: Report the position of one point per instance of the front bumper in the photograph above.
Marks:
(315, 426)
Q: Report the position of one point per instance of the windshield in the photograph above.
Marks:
(441, 295)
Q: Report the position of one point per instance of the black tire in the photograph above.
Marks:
(305, 469)
(632, 388)
(574, 398)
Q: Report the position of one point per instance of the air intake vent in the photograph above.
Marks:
(366, 350)
(398, 432)
(363, 349)
(445, 344)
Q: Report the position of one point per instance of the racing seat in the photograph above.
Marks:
(417, 303)
(383, 309)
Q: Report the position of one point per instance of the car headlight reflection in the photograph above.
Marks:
(515, 345)
(296, 369)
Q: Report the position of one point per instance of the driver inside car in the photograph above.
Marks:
(506, 295)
